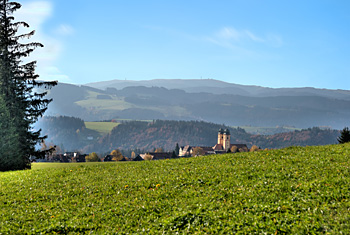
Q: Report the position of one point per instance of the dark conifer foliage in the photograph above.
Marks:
(344, 136)
(22, 96)
(177, 149)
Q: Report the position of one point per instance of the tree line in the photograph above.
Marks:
(22, 95)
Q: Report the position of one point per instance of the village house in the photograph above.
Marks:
(155, 156)
(223, 145)
(138, 158)
(108, 158)
(76, 156)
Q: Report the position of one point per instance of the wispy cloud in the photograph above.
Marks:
(242, 40)
(36, 13)
(229, 33)
(64, 30)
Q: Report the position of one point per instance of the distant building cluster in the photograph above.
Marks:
(66, 157)
(223, 146)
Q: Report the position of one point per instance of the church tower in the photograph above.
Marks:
(226, 139)
(221, 137)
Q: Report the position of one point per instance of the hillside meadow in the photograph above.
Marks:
(297, 190)
(101, 127)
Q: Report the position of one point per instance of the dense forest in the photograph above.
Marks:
(69, 133)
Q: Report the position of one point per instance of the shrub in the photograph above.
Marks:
(254, 148)
(234, 149)
(93, 157)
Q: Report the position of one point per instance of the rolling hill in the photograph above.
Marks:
(288, 191)
(234, 105)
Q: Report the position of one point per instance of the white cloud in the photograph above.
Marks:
(253, 37)
(51, 73)
(36, 13)
(229, 33)
(232, 38)
(64, 30)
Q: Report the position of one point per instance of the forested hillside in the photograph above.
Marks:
(68, 133)
(71, 134)
(166, 134)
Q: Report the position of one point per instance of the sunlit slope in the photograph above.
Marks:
(121, 107)
(294, 190)
(101, 127)
(97, 101)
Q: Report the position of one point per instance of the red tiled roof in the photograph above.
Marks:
(218, 147)
(239, 146)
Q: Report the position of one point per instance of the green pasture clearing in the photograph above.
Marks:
(117, 104)
(294, 191)
(93, 103)
(100, 104)
(101, 127)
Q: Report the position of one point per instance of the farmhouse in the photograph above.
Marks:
(108, 158)
(223, 145)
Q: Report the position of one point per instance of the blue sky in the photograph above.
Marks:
(270, 43)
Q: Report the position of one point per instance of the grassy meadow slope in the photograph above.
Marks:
(298, 190)
(101, 127)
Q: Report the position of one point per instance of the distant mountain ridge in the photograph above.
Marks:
(219, 87)
(202, 100)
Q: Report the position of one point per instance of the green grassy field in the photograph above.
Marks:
(294, 191)
(101, 127)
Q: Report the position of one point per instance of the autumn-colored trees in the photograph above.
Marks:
(198, 151)
(117, 155)
(92, 157)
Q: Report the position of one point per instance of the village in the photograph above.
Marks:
(222, 146)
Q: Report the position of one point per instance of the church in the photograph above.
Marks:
(223, 145)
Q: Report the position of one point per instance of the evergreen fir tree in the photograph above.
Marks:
(344, 136)
(23, 97)
(9, 154)
(173, 155)
(177, 149)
